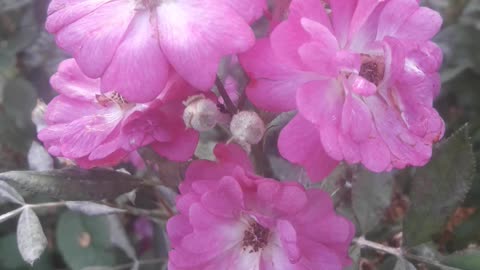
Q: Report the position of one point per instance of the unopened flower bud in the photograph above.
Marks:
(200, 113)
(247, 127)
(38, 115)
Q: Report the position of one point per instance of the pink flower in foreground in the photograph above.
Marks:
(362, 75)
(130, 44)
(232, 219)
(101, 129)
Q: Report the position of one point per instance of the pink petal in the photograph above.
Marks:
(329, 135)
(94, 38)
(362, 13)
(376, 155)
(63, 109)
(139, 70)
(299, 142)
(276, 93)
(250, 10)
(70, 81)
(422, 25)
(342, 13)
(321, 102)
(286, 39)
(361, 86)
(394, 15)
(356, 119)
(194, 42)
(310, 9)
(64, 12)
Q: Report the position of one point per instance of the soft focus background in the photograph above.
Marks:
(28, 57)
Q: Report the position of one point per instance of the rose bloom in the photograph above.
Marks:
(100, 129)
(362, 75)
(131, 44)
(230, 218)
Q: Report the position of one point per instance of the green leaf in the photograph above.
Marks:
(394, 263)
(10, 257)
(354, 254)
(73, 183)
(84, 241)
(438, 188)
(371, 196)
(466, 260)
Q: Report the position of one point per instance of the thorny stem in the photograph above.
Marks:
(231, 108)
(398, 252)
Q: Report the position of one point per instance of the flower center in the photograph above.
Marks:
(255, 237)
(111, 97)
(372, 69)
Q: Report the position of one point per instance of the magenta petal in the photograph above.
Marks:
(250, 10)
(290, 198)
(233, 153)
(177, 227)
(139, 70)
(288, 236)
(226, 200)
(180, 149)
(193, 45)
(299, 142)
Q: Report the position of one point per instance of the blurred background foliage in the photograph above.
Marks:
(432, 212)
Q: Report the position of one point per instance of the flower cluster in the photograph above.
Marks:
(361, 76)
(101, 129)
(232, 219)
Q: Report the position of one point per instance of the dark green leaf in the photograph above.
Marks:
(438, 188)
(371, 196)
(354, 254)
(467, 260)
(10, 257)
(84, 241)
(73, 183)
